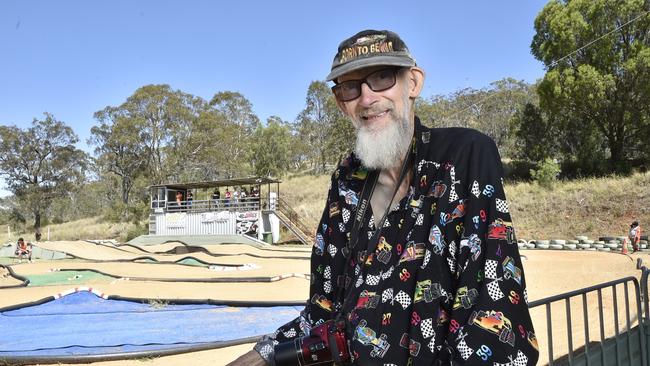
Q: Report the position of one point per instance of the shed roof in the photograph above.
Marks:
(251, 181)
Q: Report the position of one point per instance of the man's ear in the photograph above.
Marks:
(415, 77)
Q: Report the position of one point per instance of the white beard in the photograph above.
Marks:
(385, 148)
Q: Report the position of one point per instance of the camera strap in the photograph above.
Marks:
(364, 202)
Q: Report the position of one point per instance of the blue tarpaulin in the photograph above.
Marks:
(84, 324)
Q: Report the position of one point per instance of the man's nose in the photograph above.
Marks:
(368, 96)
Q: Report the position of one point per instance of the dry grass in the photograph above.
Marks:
(84, 229)
(592, 207)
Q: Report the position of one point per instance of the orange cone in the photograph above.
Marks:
(625, 246)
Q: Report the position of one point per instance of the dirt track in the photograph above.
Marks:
(547, 273)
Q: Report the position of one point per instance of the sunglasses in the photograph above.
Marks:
(377, 81)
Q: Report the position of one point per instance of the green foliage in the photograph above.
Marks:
(546, 173)
(535, 135)
(271, 148)
(324, 133)
(599, 96)
(135, 231)
(40, 164)
(490, 110)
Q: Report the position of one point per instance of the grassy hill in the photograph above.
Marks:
(592, 207)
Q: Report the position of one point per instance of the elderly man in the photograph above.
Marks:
(415, 261)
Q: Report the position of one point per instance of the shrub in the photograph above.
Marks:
(546, 173)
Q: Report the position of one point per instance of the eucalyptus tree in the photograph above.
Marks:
(41, 163)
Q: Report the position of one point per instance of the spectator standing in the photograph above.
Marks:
(216, 196)
(635, 236)
(190, 198)
(227, 195)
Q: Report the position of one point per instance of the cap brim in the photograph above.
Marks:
(370, 61)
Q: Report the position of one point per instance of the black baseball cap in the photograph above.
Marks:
(370, 48)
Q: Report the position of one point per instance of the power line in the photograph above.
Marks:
(556, 62)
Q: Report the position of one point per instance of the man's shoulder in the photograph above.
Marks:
(454, 140)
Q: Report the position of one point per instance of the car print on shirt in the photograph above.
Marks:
(368, 337)
(368, 300)
(322, 301)
(412, 251)
(435, 238)
(319, 244)
(383, 250)
(425, 290)
(465, 298)
(494, 321)
(510, 270)
(501, 230)
(474, 244)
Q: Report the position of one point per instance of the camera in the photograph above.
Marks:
(325, 343)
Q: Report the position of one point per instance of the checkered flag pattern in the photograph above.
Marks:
(451, 262)
(373, 280)
(526, 296)
(426, 326)
(327, 273)
(266, 351)
(370, 232)
(453, 196)
(346, 215)
(491, 269)
(341, 227)
(420, 220)
(476, 191)
(452, 192)
(290, 333)
(494, 290)
(502, 205)
(359, 282)
(432, 344)
(332, 250)
(464, 350)
(403, 299)
(386, 223)
(371, 223)
(327, 286)
(427, 258)
(521, 359)
(387, 295)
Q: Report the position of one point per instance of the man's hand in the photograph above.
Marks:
(251, 358)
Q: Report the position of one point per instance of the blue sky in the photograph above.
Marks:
(72, 58)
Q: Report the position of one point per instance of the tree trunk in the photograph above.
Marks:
(37, 221)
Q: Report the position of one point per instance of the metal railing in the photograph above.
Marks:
(223, 204)
(597, 352)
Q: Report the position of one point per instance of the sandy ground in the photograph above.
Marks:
(547, 273)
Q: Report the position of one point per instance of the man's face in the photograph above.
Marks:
(382, 119)
(374, 110)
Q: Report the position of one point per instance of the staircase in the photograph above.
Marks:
(291, 220)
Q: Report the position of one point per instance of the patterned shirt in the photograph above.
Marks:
(445, 280)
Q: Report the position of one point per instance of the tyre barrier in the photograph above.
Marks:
(584, 246)
(587, 241)
(604, 250)
(611, 246)
(529, 246)
(581, 237)
(558, 241)
(573, 241)
(570, 246)
(557, 246)
(542, 246)
(542, 242)
(607, 238)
